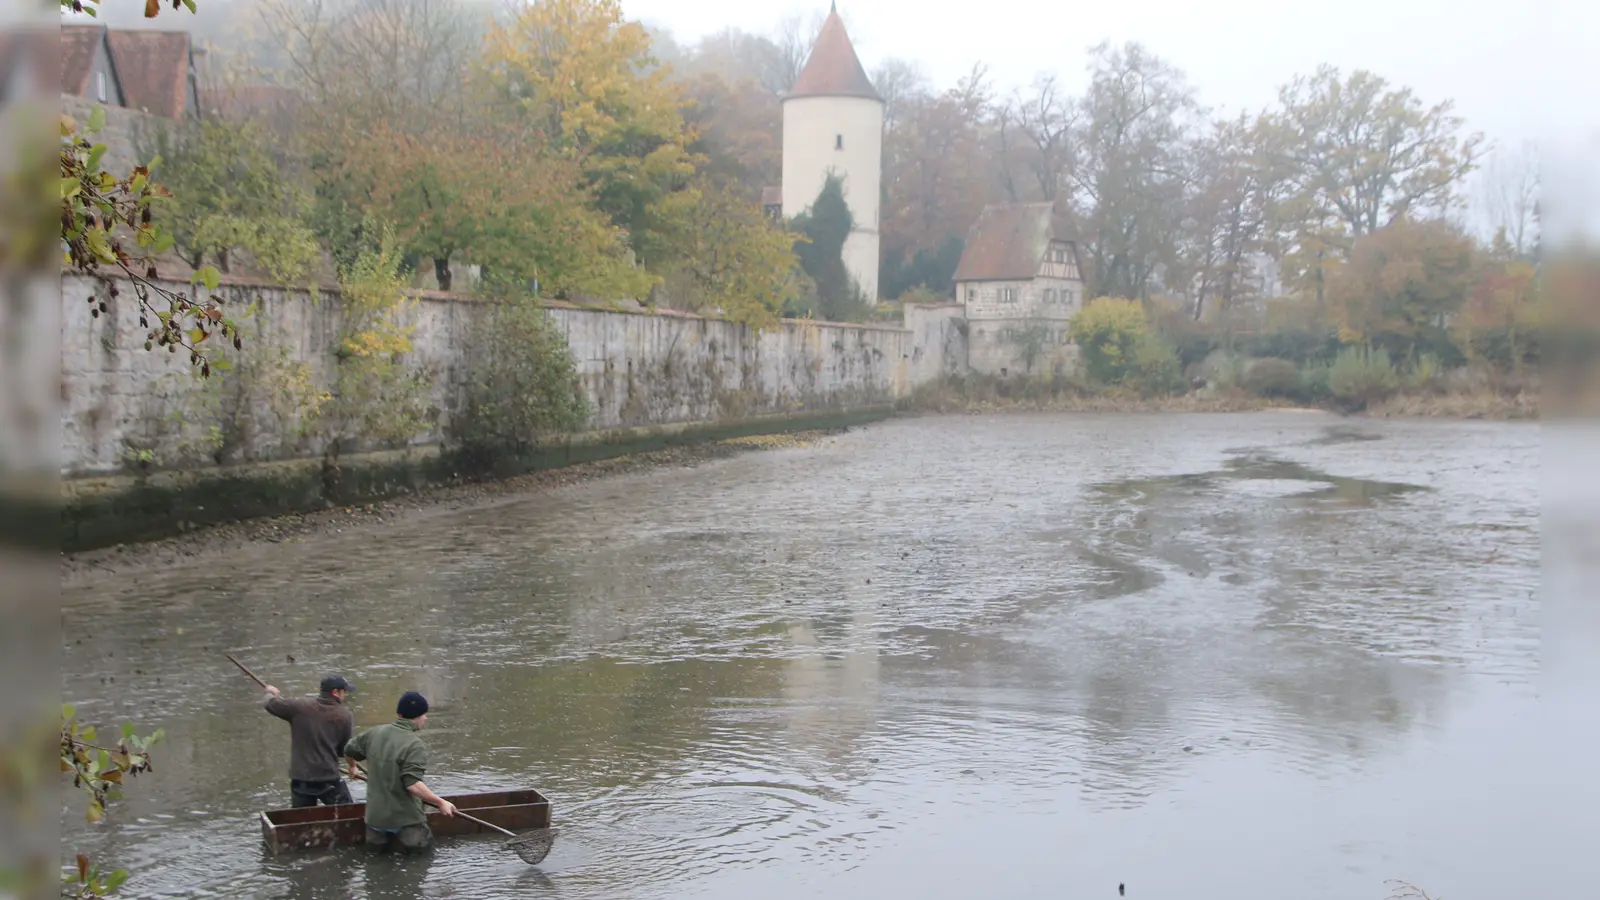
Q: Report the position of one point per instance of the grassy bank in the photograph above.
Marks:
(981, 394)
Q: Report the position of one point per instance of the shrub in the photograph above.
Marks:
(1313, 384)
(377, 397)
(1362, 375)
(1426, 374)
(1156, 368)
(1108, 331)
(521, 382)
(1272, 377)
(1295, 344)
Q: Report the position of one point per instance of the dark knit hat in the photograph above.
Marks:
(411, 705)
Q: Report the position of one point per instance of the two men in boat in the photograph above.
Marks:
(396, 761)
(319, 728)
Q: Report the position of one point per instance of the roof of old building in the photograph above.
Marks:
(78, 43)
(833, 69)
(153, 67)
(1009, 240)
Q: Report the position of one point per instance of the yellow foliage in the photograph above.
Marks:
(577, 73)
(1108, 331)
(578, 66)
(738, 264)
(375, 304)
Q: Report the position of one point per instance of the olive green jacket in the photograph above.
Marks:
(396, 758)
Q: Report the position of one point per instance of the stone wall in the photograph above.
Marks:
(122, 404)
(125, 130)
(938, 340)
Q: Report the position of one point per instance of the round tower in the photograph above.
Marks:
(833, 123)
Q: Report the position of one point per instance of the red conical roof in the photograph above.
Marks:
(833, 69)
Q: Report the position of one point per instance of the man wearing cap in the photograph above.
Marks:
(396, 760)
(319, 727)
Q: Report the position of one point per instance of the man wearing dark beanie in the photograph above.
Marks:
(396, 760)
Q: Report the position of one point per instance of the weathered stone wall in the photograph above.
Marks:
(938, 340)
(125, 408)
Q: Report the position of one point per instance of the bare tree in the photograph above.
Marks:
(1131, 174)
(1508, 197)
(1035, 133)
(394, 60)
(794, 37)
(901, 84)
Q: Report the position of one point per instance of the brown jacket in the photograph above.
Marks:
(319, 727)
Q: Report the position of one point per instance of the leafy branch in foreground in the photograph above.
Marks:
(95, 207)
(99, 772)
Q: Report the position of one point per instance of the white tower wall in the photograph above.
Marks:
(843, 135)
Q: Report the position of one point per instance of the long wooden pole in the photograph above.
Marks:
(244, 670)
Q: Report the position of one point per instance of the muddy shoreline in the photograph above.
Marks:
(220, 540)
(1486, 406)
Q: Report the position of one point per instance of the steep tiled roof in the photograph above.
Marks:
(153, 67)
(833, 69)
(78, 44)
(1009, 240)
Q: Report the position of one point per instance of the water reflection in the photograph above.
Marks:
(797, 662)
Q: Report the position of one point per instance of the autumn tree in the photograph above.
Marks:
(494, 196)
(1232, 186)
(229, 194)
(1360, 155)
(368, 67)
(578, 73)
(937, 178)
(735, 57)
(1402, 284)
(737, 127)
(735, 262)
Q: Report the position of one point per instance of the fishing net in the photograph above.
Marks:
(534, 846)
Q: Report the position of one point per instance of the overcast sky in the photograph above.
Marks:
(1503, 63)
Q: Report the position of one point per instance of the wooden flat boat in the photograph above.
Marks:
(325, 827)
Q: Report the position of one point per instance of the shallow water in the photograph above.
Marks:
(1261, 655)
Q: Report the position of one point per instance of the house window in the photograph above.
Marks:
(972, 295)
(838, 142)
(1049, 297)
(100, 86)
(1008, 295)
(1058, 254)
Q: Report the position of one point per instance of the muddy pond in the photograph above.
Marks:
(1214, 657)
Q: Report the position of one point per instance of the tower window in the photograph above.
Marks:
(838, 142)
(100, 86)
